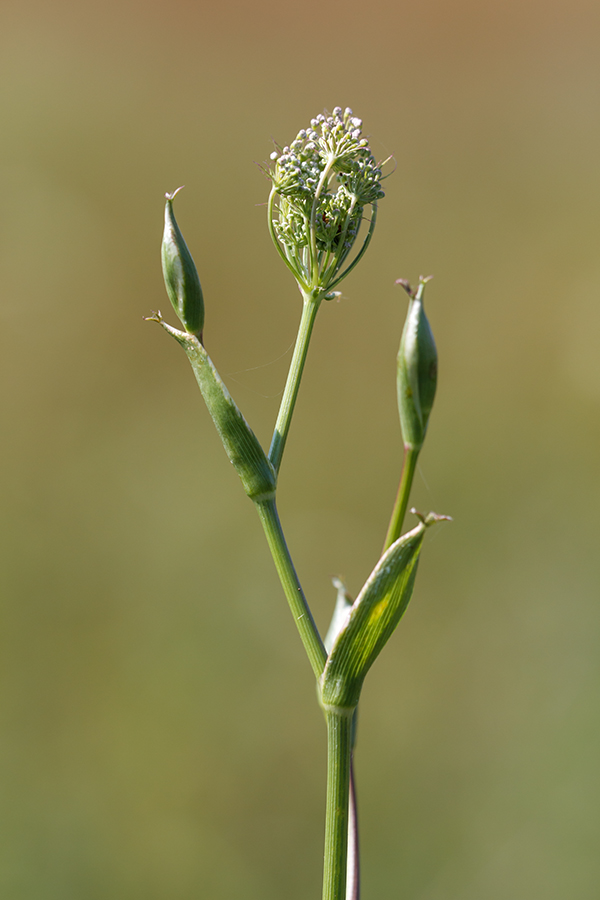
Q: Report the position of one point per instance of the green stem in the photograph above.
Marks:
(399, 511)
(339, 745)
(290, 393)
(267, 511)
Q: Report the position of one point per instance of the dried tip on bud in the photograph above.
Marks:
(172, 195)
(431, 518)
(180, 274)
(405, 283)
(416, 369)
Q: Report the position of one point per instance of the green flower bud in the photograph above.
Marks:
(180, 274)
(417, 370)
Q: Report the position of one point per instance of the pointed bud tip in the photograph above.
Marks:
(431, 518)
(341, 588)
(171, 196)
(423, 280)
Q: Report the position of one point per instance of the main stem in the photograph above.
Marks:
(341, 848)
(317, 655)
(339, 748)
(399, 511)
(290, 393)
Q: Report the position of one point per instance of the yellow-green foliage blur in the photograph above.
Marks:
(160, 734)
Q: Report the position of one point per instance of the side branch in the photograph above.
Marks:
(305, 623)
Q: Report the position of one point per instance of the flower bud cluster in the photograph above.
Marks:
(323, 179)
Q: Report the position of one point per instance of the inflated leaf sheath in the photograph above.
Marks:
(241, 444)
(373, 617)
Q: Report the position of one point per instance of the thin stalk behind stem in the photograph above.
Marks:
(339, 748)
(317, 655)
(353, 872)
(290, 393)
(399, 511)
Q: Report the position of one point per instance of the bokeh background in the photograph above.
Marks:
(160, 736)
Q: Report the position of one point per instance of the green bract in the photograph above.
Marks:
(180, 274)
(322, 183)
(343, 605)
(417, 370)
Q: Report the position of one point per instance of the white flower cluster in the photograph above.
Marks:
(333, 142)
(324, 179)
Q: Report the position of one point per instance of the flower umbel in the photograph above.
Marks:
(322, 183)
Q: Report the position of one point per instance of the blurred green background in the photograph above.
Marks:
(160, 736)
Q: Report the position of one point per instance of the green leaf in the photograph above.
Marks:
(372, 618)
